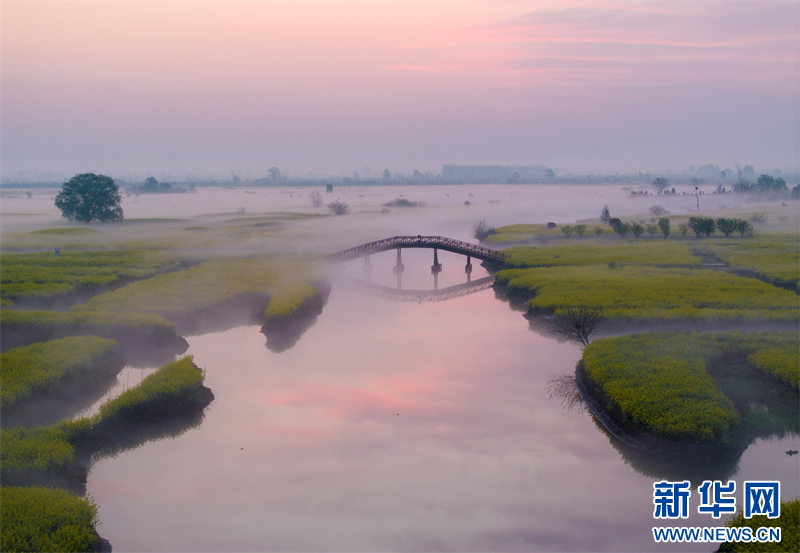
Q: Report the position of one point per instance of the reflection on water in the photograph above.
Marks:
(564, 388)
(418, 296)
(393, 426)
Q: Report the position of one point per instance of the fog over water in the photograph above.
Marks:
(395, 426)
(411, 426)
(445, 213)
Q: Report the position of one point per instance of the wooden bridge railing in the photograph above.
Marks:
(439, 242)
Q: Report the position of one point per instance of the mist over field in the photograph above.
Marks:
(446, 276)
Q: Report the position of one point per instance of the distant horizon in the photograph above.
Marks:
(48, 177)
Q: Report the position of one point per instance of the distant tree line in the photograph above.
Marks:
(152, 186)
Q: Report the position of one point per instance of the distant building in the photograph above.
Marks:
(493, 173)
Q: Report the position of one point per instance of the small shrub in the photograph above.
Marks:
(745, 228)
(684, 228)
(580, 230)
(758, 219)
(664, 226)
(481, 230)
(567, 230)
(598, 231)
(402, 202)
(338, 208)
(542, 238)
(726, 226)
(658, 210)
(637, 229)
(702, 225)
(622, 228)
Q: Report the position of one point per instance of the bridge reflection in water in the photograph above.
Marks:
(419, 296)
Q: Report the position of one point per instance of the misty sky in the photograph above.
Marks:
(210, 88)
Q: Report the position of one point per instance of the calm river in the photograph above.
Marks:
(396, 426)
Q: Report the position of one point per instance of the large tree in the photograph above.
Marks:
(660, 184)
(88, 197)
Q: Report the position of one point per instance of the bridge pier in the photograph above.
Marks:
(367, 268)
(468, 270)
(399, 268)
(436, 268)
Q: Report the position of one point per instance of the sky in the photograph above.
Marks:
(216, 88)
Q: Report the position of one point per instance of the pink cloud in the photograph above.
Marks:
(421, 67)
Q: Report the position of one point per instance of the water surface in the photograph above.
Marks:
(394, 426)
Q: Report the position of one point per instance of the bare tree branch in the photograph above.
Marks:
(575, 323)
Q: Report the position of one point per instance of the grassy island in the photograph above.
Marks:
(773, 258)
(44, 277)
(33, 455)
(592, 252)
(46, 519)
(215, 286)
(26, 327)
(651, 293)
(47, 368)
(697, 388)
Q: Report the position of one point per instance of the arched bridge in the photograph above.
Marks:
(430, 242)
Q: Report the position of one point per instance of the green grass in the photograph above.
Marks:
(516, 233)
(63, 232)
(652, 294)
(663, 393)
(175, 388)
(208, 286)
(148, 220)
(169, 388)
(41, 449)
(789, 523)
(780, 362)
(43, 276)
(41, 369)
(589, 252)
(288, 301)
(46, 519)
(38, 326)
(527, 232)
(694, 387)
(773, 257)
